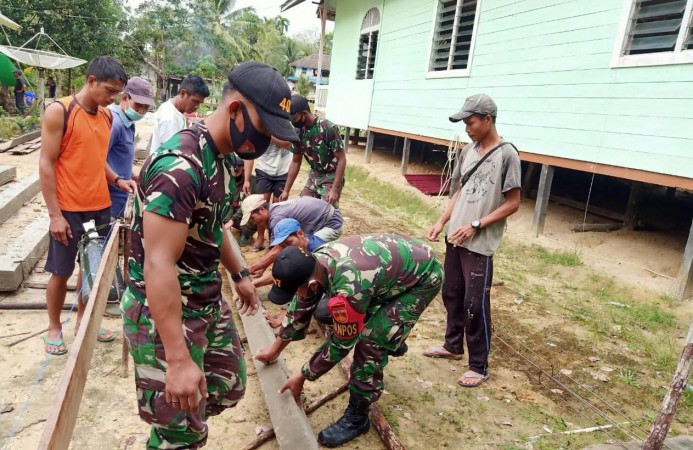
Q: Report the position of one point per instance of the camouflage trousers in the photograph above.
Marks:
(214, 346)
(386, 330)
(318, 185)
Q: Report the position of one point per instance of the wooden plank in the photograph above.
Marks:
(7, 174)
(685, 278)
(347, 138)
(16, 194)
(527, 180)
(542, 199)
(62, 418)
(288, 420)
(25, 149)
(405, 155)
(20, 140)
(370, 138)
(609, 214)
(633, 202)
(416, 137)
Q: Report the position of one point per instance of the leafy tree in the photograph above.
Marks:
(303, 86)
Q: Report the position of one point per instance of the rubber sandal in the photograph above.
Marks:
(257, 248)
(104, 332)
(479, 378)
(440, 352)
(57, 344)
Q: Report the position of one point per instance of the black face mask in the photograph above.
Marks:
(300, 124)
(250, 143)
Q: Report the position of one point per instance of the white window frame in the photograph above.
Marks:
(433, 74)
(369, 31)
(678, 56)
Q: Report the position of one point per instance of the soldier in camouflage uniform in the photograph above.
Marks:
(188, 356)
(323, 148)
(379, 285)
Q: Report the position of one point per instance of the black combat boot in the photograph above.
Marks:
(352, 424)
(399, 351)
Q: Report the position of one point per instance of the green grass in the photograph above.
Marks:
(390, 199)
(629, 377)
(562, 258)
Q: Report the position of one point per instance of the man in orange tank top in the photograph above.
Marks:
(74, 143)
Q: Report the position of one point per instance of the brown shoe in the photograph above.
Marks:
(441, 352)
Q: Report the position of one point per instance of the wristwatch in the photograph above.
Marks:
(117, 179)
(236, 277)
(476, 224)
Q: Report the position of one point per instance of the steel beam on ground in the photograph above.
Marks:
(542, 199)
(288, 420)
(62, 418)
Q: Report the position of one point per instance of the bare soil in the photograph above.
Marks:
(422, 400)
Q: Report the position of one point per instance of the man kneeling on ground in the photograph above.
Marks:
(378, 285)
(316, 216)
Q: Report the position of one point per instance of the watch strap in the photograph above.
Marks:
(236, 277)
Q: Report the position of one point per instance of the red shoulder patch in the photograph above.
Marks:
(347, 322)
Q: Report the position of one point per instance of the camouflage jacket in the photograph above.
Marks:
(318, 144)
(186, 180)
(369, 271)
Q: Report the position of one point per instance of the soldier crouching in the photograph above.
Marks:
(378, 285)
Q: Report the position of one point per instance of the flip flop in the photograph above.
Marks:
(57, 344)
(257, 248)
(104, 332)
(440, 352)
(479, 378)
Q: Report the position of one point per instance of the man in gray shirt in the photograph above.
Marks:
(489, 193)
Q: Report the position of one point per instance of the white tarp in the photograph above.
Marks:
(41, 58)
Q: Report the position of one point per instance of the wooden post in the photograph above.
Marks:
(633, 203)
(424, 148)
(527, 180)
(40, 101)
(61, 419)
(685, 280)
(394, 146)
(347, 138)
(542, 199)
(357, 136)
(323, 17)
(370, 137)
(660, 428)
(405, 155)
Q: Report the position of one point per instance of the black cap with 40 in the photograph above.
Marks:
(292, 268)
(269, 92)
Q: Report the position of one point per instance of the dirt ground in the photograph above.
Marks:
(422, 400)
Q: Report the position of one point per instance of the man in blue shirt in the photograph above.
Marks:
(136, 100)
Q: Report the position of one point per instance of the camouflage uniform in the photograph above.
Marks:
(387, 280)
(186, 180)
(319, 144)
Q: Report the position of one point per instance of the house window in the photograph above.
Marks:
(368, 44)
(453, 36)
(655, 32)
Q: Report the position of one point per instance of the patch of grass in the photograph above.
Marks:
(427, 397)
(562, 258)
(629, 377)
(403, 204)
(391, 418)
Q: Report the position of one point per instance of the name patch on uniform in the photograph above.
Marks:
(347, 322)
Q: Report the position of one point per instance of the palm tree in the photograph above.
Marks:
(292, 51)
(220, 22)
(282, 24)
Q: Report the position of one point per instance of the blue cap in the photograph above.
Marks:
(283, 229)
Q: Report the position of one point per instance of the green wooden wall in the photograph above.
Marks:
(545, 62)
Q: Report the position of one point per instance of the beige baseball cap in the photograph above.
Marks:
(480, 104)
(250, 204)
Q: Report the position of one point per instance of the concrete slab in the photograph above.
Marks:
(7, 174)
(288, 420)
(22, 253)
(16, 194)
(675, 443)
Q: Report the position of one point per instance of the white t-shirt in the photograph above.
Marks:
(275, 161)
(169, 121)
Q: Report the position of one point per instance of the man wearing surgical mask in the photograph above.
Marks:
(135, 102)
(188, 357)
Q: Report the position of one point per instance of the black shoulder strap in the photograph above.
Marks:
(471, 171)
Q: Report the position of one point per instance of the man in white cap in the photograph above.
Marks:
(316, 216)
(488, 175)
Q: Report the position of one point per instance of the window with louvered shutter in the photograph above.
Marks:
(368, 44)
(452, 37)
